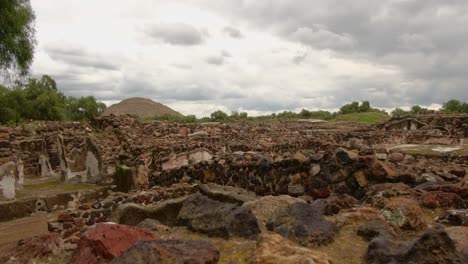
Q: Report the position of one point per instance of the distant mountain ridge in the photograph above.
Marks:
(140, 107)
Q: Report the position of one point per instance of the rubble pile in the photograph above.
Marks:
(290, 191)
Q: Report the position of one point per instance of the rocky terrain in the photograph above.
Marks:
(246, 192)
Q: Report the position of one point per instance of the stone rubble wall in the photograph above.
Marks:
(266, 157)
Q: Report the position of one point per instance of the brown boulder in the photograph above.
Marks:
(268, 206)
(170, 251)
(405, 213)
(439, 199)
(103, 242)
(459, 234)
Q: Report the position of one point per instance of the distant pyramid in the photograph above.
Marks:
(140, 107)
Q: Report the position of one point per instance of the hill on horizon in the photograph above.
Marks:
(140, 107)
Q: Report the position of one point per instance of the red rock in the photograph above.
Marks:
(71, 231)
(85, 206)
(321, 193)
(103, 242)
(439, 199)
(64, 218)
(460, 172)
(461, 191)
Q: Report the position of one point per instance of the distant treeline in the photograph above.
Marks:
(354, 108)
(39, 99)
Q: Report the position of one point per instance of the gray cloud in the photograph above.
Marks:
(79, 57)
(427, 41)
(176, 34)
(299, 58)
(233, 32)
(218, 59)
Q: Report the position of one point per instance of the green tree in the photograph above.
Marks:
(45, 102)
(218, 116)
(83, 108)
(454, 106)
(365, 107)
(349, 108)
(399, 112)
(17, 36)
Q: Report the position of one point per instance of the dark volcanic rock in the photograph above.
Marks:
(432, 246)
(334, 204)
(170, 251)
(205, 215)
(227, 194)
(376, 228)
(345, 155)
(303, 224)
(242, 222)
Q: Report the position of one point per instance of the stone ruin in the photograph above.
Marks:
(330, 166)
(263, 157)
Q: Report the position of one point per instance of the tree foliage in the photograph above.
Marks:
(39, 99)
(17, 36)
(454, 106)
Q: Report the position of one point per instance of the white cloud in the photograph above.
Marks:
(256, 56)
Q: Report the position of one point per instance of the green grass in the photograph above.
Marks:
(367, 117)
(61, 186)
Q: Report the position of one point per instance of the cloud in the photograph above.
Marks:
(176, 34)
(299, 58)
(233, 32)
(79, 57)
(218, 59)
(258, 56)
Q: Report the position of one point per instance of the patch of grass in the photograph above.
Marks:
(366, 117)
(59, 185)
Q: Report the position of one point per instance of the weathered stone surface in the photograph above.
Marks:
(153, 225)
(268, 206)
(382, 171)
(396, 157)
(11, 179)
(376, 228)
(432, 246)
(104, 242)
(295, 190)
(215, 218)
(459, 234)
(345, 155)
(437, 199)
(227, 194)
(205, 215)
(242, 222)
(358, 215)
(39, 247)
(454, 217)
(274, 249)
(303, 224)
(334, 204)
(405, 213)
(132, 214)
(170, 251)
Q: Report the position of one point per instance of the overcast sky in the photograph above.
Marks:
(259, 56)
